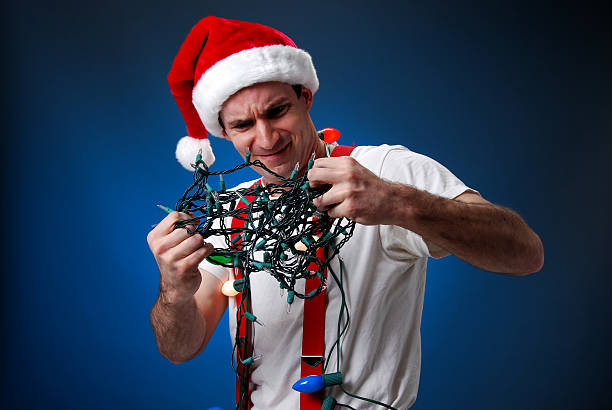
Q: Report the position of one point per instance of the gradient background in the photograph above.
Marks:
(515, 100)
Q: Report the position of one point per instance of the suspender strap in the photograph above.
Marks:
(313, 337)
(313, 327)
(342, 151)
(244, 343)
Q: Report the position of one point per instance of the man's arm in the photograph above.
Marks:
(183, 330)
(190, 303)
(485, 235)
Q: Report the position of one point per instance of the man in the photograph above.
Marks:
(251, 85)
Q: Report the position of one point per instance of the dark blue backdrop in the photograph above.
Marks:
(515, 100)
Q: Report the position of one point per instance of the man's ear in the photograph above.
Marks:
(224, 134)
(307, 96)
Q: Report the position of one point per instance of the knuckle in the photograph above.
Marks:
(345, 193)
(202, 253)
(208, 250)
(181, 268)
(334, 213)
(154, 249)
(183, 215)
(150, 239)
(165, 258)
(155, 246)
(351, 175)
(352, 209)
(195, 239)
(349, 161)
(173, 216)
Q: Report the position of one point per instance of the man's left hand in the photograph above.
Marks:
(356, 193)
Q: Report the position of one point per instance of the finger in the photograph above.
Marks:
(325, 176)
(186, 221)
(171, 240)
(195, 258)
(331, 198)
(167, 224)
(330, 162)
(164, 226)
(337, 211)
(186, 247)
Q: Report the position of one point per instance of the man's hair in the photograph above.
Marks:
(296, 87)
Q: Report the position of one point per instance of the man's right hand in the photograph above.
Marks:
(178, 255)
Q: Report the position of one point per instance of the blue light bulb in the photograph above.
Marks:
(309, 384)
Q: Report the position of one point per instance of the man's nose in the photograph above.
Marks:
(266, 135)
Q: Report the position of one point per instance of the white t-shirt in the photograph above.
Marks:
(384, 283)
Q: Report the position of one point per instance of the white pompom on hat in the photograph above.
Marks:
(220, 57)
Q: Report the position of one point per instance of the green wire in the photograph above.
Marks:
(275, 220)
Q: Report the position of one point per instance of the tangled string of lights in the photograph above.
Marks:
(279, 231)
(282, 227)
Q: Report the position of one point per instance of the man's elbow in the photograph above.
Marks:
(175, 359)
(534, 259)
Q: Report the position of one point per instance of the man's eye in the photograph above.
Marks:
(276, 111)
(242, 125)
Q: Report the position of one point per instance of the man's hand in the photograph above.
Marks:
(356, 193)
(178, 255)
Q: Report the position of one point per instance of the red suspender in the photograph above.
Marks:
(313, 337)
(342, 151)
(313, 327)
(244, 342)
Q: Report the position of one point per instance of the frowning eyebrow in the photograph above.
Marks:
(275, 103)
(270, 111)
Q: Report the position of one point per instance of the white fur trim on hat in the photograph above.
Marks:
(247, 67)
(188, 148)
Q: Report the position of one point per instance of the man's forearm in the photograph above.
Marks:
(487, 236)
(179, 329)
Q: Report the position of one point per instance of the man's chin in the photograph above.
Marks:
(283, 170)
(273, 179)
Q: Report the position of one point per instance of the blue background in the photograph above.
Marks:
(515, 100)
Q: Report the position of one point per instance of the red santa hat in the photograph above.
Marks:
(220, 57)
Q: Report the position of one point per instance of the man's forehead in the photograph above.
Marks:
(258, 96)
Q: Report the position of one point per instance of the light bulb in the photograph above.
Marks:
(232, 287)
(221, 183)
(330, 135)
(308, 384)
(295, 171)
(228, 289)
(311, 384)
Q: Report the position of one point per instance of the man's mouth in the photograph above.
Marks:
(276, 153)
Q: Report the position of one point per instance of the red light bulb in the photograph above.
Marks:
(330, 135)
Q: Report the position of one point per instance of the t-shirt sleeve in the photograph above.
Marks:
(406, 167)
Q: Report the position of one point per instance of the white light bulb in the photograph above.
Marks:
(228, 289)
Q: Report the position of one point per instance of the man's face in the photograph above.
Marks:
(275, 126)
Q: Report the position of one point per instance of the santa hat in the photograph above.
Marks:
(218, 58)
